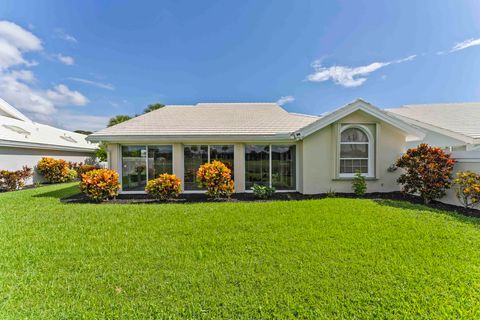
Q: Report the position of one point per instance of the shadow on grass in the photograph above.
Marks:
(468, 216)
(59, 193)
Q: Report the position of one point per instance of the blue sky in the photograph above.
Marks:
(74, 64)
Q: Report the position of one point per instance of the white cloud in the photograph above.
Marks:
(62, 95)
(102, 85)
(19, 37)
(67, 60)
(18, 87)
(466, 44)
(61, 34)
(73, 121)
(284, 100)
(349, 76)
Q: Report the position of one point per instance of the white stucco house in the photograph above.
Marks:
(24, 142)
(263, 144)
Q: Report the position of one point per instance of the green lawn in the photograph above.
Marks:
(327, 258)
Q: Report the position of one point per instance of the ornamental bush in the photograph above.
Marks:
(84, 168)
(216, 177)
(54, 170)
(263, 192)
(100, 184)
(359, 185)
(428, 172)
(14, 180)
(467, 188)
(165, 187)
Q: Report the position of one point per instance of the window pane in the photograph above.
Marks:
(354, 135)
(194, 157)
(159, 161)
(283, 167)
(352, 166)
(256, 165)
(354, 151)
(134, 173)
(223, 154)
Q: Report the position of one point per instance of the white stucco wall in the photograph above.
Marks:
(437, 140)
(16, 158)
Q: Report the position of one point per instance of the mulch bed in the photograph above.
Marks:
(282, 196)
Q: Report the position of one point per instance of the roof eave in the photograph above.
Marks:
(182, 138)
(359, 104)
(43, 146)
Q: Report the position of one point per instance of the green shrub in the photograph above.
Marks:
(165, 187)
(216, 177)
(14, 180)
(263, 192)
(100, 184)
(467, 188)
(359, 185)
(54, 170)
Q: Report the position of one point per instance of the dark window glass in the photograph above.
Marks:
(223, 153)
(134, 168)
(354, 151)
(159, 161)
(257, 168)
(354, 135)
(194, 157)
(283, 167)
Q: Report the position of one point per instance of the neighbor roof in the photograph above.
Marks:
(17, 130)
(457, 120)
(212, 120)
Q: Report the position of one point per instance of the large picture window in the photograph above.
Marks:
(355, 151)
(196, 155)
(142, 163)
(271, 165)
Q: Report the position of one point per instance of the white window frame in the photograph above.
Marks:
(270, 164)
(370, 144)
(146, 162)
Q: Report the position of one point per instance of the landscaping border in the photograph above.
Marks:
(186, 198)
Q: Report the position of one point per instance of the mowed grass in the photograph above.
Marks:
(332, 258)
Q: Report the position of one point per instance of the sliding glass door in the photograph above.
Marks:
(134, 168)
(196, 155)
(283, 167)
(142, 163)
(193, 156)
(270, 165)
(257, 165)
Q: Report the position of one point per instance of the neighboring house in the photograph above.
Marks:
(454, 127)
(24, 142)
(263, 144)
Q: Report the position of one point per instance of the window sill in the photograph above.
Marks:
(351, 178)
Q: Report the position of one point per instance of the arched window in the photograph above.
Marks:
(356, 149)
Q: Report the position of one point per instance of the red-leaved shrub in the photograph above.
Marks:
(428, 172)
(14, 180)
